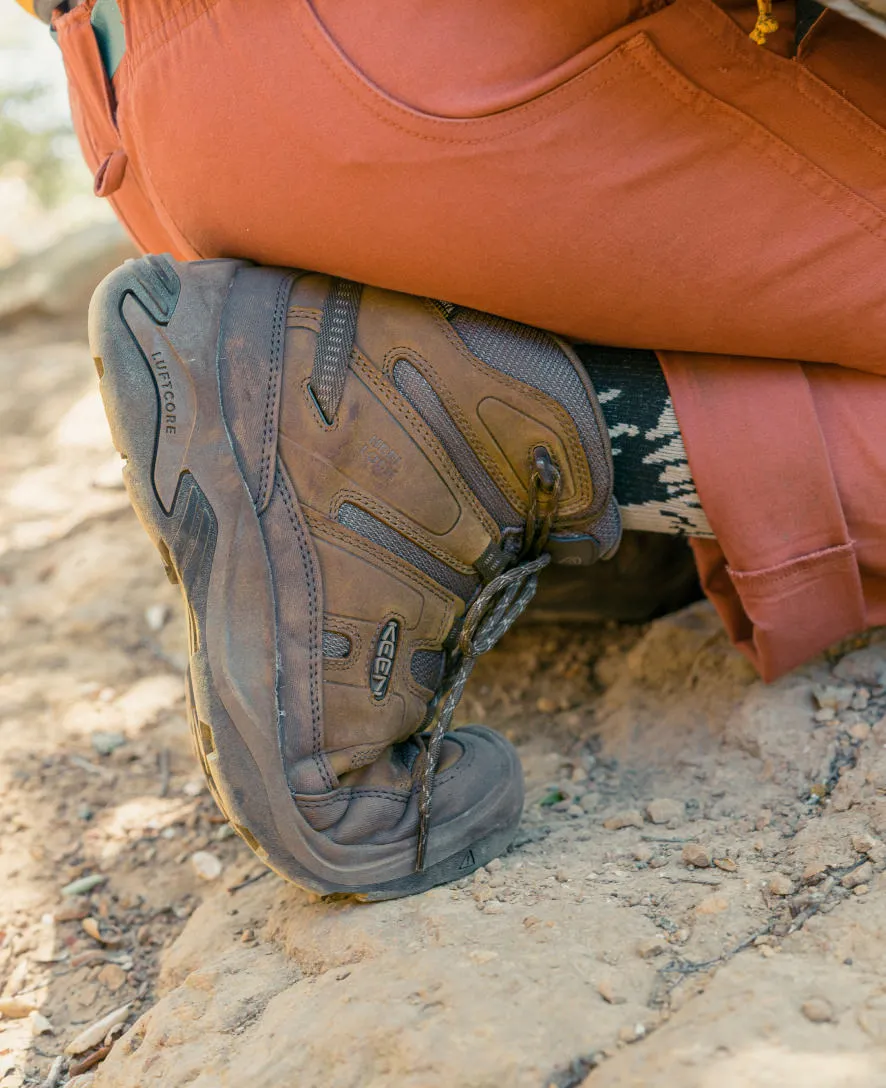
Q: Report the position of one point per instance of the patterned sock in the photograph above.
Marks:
(653, 482)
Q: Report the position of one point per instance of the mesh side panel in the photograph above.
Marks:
(427, 668)
(338, 327)
(532, 356)
(358, 520)
(432, 410)
(335, 645)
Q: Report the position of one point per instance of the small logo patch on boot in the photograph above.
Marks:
(383, 662)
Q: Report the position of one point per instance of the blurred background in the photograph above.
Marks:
(45, 190)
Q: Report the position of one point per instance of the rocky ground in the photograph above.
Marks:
(695, 896)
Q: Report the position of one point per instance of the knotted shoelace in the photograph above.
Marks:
(494, 611)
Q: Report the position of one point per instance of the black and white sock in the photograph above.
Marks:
(653, 482)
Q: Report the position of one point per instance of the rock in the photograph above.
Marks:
(859, 731)
(156, 616)
(610, 995)
(629, 818)
(58, 280)
(631, 1033)
(482, 955)
(39, 1025)
(112, 976)
(207, 866)
(726, 864)
(817, 1010)
(780, 884)
(696, 855)
(860, 699)
(74, 911)
(712, 904)
(833, 696)
(650, 947)
(546, 705)
(863, 844)
(95, 1033)
(814, 873)
(84, 884)
(16, 1008)
(643, 853)
(663, 810)
(85, 1080)
(867, 666)
(861, 875)
(861, 889)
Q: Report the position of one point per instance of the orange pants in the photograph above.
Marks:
(631, 172)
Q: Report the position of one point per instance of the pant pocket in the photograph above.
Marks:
(93, 108)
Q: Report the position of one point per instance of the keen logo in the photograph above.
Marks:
(383, 663)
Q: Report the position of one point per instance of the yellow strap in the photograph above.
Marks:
(766, 22)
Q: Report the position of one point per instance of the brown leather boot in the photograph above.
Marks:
(356, 490)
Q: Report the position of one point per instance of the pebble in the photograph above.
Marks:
(862, 844)
(712, 904)
(696, 855)
(575, 811)
(726, 864)
(112, 976)
(494, 906)
(643, 853)
(84, 884)
(494, 865)
(85, 1080)
(833, 696)
(650, 947)
(663, 810)
(860, 699)
(16, 1008)
(631, 1033)
(156, 616)
(780, 884)
(74, 911)
(814, 872)
(39, 1025)
(859, 731)
(105, 743)
(862, 875)
(96, 1032)
(546, 705)
(482, 955)
(629, 818)
(817, 1010)
(861, 889)
(207, 866)
(609, 994)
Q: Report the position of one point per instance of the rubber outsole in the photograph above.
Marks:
(185, 532)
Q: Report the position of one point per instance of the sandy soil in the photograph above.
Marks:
(695, 897)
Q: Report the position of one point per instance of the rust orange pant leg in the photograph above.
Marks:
(631, 173)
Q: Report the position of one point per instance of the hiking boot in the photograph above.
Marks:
(356, 490)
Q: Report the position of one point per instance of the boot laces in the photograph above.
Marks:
(496, 608)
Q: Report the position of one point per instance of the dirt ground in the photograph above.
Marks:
(695, 897)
